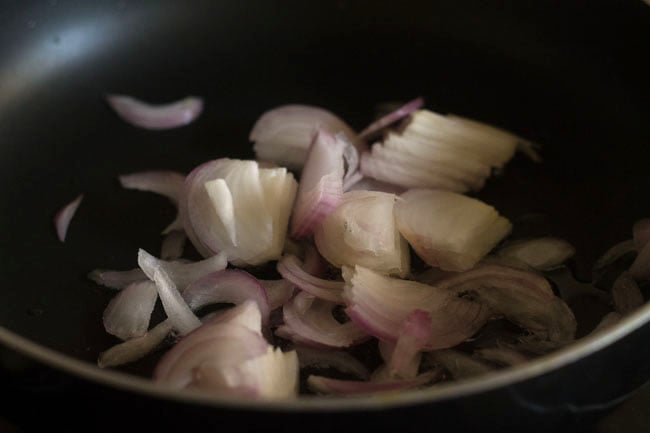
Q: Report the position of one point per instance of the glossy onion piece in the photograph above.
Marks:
(441, 152)
(234, 207)
(181, 317)
(182, 274)
(226, 357)
(278, 292)
(227, 286)
(128, 313)
(362, 231)
(447, 230)
(392, 117)
(524, 298)
(173, 245)
(164, 182)
(321, 184)
(135, 348)
(626, 294)
(64, 216)
(117, 279)
(370, 184)
(613, 254)
(379, 305)
(540, 253)
(293, 271)
(283, 134)
(163, 116)
(309, 320)
(640, 268)
(413, 337)
(326, 385)
(459, 365)
(328, 358)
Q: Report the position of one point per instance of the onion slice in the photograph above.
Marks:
(164, 182)
(392, 117)
(278, 292)
(64, 216)
(539, 253)
(163, 116)
(309, 320)
(426, 218)
(414, 336)
(117, 279)
(614, 253)
(626, 294)
(128, 313)
(135, 348)
(283, 134)
(181, 317)
(182, 274)
(292, 270)
(173, 245)
(321, 184)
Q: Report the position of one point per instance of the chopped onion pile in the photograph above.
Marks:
(341, 243)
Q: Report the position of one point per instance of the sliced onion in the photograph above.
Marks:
(362, 231)
(182, 274)
(135, 348)
(278, 291)
(626, 294)
(413, 337)
(127, 315)
(370, 184)
(117, 279)
(283, 134)
(613, 254)
(502, 355)
(327, 358)
(321, 184)
(326, 385)
(227, 286)
(540, 253)
(522, 297)
(309, 320)
(380, 304)
(163, 182)
(249, 223)
(64, 216)
(314, 264)
(181, 317)
(392, 117)
(426, 218)
(292, 270)
(173, 245)
(459, 365)
(641, 233)
(163, 116)
(225, 357)
(640, 268)
(351, 158)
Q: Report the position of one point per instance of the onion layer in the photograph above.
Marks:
(182, 274)
(127, 315)
(64, 216)
(540, 253)
(292, 270)
(163, 116)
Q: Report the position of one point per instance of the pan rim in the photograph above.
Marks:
(580, 349)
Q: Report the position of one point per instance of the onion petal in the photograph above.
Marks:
(128, 313)
(64, 216)
(278, 291)
(163, 116)
(166, 183)
(182, 274)
(613, 254)
(626, 294)
(117, 279)
(414, 336)
(135, 348)
(292, 270)
(309, 320)
(181, 317)
(173, 244)
(640, 268)
(392, 117)
(540, 253)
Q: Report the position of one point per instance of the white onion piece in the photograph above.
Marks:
(326, 385)
(64, 216)
(292, 270)
(502, 355)
(540, 253)
(249, 222)
(135, 348)
(227, 286)
(327, 358)
(641, 233)
(460, 366)
(640, 268)
(522, 297)
(392, 117)
(164, 182)
(352, 162)
(117, 279)
(181, 317)
(128, 313)
(362, 231)
(225, 357)
(613, 254)
(413, 337)
(173, 245)
(626, 294)
(283, 134)
(309, 320)
(370, 184)
(278, 291)
(321, 184)
(448, 230)
(163, 116)
(380, 304)
(314, 264)
(182, 274)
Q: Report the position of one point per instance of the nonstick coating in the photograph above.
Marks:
(572, 76)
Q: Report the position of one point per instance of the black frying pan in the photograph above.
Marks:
(572, 75)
